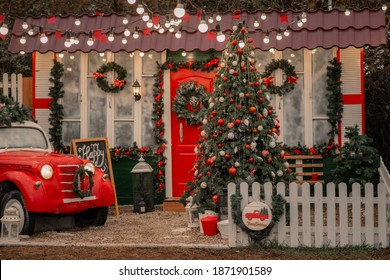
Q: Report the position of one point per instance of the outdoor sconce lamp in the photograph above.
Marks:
(192, 214)
(137, 90)
(10, 225)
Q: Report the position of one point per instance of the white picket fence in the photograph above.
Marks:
(12, 85)
(384, 174)
(317, 220)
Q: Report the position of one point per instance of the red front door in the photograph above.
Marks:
(184, 136)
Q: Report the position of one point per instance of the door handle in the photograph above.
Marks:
(181, 132)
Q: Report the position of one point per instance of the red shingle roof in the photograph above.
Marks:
(323, 29)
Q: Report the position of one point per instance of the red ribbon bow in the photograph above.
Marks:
(98, 75)
(292, 79)
(268, 81)
(118, 83)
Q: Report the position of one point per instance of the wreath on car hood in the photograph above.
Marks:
(190, 102)
(101, 79)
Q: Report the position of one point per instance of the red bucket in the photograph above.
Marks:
(209, 225)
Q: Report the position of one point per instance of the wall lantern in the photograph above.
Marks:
(192, 214)
(10, 224)
(137, 90)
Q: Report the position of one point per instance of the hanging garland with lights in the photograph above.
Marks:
(119, 82)
(277, 210)
(289, 71)
(335, 100)
(80, 175)
(190, 102)
(158, 109)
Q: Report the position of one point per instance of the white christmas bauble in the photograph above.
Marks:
(203, 133)
(272, 144)
(260, 159)
(244, 81)
(241, 95)
(203, 185)
(196, 150)
(265, 112)
(222, 153)
(204, 121)
(234, 63)
(272, 174)
(260, 128)
(221, 99)
(282, 152)
(235, 27)
(235, 150)
(253, 145)
(279, 173)
(246, 122)
(220, 86)
(231, 71)
(236, 164)
(196, 173)
(211, 105)
(252, 53)
(230, 135)
(286, 164)
(223, 65)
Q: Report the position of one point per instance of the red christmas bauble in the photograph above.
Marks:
(227, 156)
(234, 42)
(209, 162)
(232, 171)
(239, 106)
(260, 116)
(252, 109)
(269, 160)
(250, 40)
(243, 69)
(247, 146)
(221, 122)
(238, 121)
(269, 112)
(251, 160)
(243, 30)
(239, 51)
(231, 100)
(261, 99)
(200, 176)
(254, 131)
(225, 79)
(215, 198)
(208, 173)
(247, 95)
(214, 113)
(256, 84)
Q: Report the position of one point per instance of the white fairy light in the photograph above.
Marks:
(145, 17)
(179, 11)
(211, 19)
(220, 36)
(287, 32)
(178, 34)
(241, 44)
(127, 32)
(124, 40)
(30, 32)
(167, 24)
(384, 7)
(299, 23)
(218, 18)
(347, 12)
(256, 23)
(141, 54)
(149, 24)
(125, 20)
(183, 53)
(140, 9)
(161, 30)
(131, 2)
(90, 41)
(61, 55)
(279, 36)
(171, 29)
(263, 16)
(203, 27)
(23, 40)
(304, 17)
(24, 25)
(4, 29)
(77, 22)
(266, 38)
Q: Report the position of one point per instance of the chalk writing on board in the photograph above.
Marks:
(94, 153)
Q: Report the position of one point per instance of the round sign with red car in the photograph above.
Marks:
(257, 215)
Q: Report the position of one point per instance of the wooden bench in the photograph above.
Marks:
(305, 166)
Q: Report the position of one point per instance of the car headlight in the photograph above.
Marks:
(90, 167)
(47, 172)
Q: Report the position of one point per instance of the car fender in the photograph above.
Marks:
(107, 192)
(34, 197)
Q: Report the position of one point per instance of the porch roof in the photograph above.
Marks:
(324, 29)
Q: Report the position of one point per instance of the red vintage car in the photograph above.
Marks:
(37, 181)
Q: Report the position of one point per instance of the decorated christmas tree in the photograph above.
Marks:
(240, 129)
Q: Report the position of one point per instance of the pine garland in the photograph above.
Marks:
(56, 109)
(335, 106)
(277, 210)
(11, 111)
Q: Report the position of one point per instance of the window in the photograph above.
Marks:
(303, 111)
(91, 112)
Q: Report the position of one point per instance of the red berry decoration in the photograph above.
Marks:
(239, 51)
(209, 162)
(225, 79)
(232, 171)
(251, 160)
(234, 42)
(221, 122)
(215, 198)
(269, 160)
(243, 30)
(227, 156)
(231, 100)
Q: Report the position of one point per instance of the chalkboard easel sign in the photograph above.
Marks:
(97, 151)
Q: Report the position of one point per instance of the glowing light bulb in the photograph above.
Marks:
(30, 32)
(179, 11)
(4, 29)
(241, 44)
(266, 39)
(299, 23)
(23, 40)
(167, 24)
(131, 2)
(61, 55)
(178, 34)
(313, 51)
(161, 30)
(141, 54)
(124, 41)
(211, 19)
(111, 37)
(263, 16)
(183, 53)
(256, 24)
(136, 35)
(127, 32)
(203, 27)
(279, 36)
(77, 22)
(125, 20)
(140, 9)
(67, 43)
(218, 18)
(171, 29)
(384, 7)
(22, 52)
(101, 54)
(24, 25)
(286, 32)
(347, 12)
(43, 38)
(145, 17)
(90, 41)
(149, 24)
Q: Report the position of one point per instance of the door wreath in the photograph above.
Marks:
(190, 102)
(288, 84)
(101, 79)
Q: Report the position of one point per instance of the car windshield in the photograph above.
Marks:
(22, 137)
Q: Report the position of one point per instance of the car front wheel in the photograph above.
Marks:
(27, 219)
(92, 217)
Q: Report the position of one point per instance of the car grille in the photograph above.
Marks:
(67, 174)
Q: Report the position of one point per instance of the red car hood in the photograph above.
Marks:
(33, 158)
